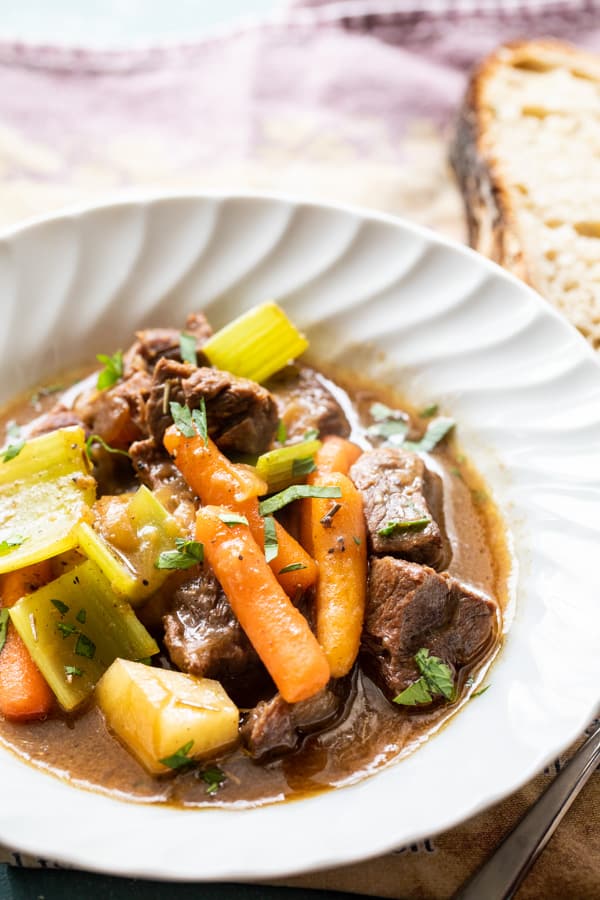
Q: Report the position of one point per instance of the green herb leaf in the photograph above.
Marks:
(415, 694)
(96, 439)
(292, 567)
(429, 411)
(295, 492)
(271, 543)
(382, 413)
(190, 423)
(311, 434)
(180, 758)
(66, 629)
(199, 420)
(438, 675)
(387, 430)
(231, 518)
(112, 371)
(3, 627)
(71, 671)
(85, 647)
(436, 431)
(481, 691)
(16, 445)
(10, 543)
(356, 540)
(187, 348)
(186, 554)
(281, 432)
(213, 777)
(303, 466)
(397, 526)
(61, 607)
(81, 616)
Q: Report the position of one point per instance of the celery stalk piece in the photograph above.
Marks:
(133, 574)
(256, 344)
(75, 627)
(287, 465)
(44, 492)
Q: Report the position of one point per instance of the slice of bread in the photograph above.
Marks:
(527, 156)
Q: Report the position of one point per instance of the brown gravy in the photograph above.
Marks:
(373, 732)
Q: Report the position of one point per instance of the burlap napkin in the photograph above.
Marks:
(345, 101)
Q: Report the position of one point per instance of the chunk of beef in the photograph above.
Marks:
(304, 402)
(411, 606)
(118, 413)
(58, 417)
(274, 727)
(397, 488)
(155, 468)
(204, 637)
(241, 415)
(153, 344)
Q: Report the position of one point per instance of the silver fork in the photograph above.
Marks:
(501, 875)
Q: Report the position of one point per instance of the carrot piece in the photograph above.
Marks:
(334, 533)
(24, 693)
(336, 454)
(219, 482)
(203, 464)
(278, 631)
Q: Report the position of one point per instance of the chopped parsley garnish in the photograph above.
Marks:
(61, 607)
(296, 492)
(436, 681)
(186, 554)
(66, 629)
(187, 348)
(16, 445)
(303, 466)
(481, 691)
(436, 431)
(356, 540)
(81, 616)
(281, 432)
(190, 423)
(180, 758)
(429, 411)
(271, 543)
(3, 627)
(213, 777)
(311, 434)
(395, 430)
(10, 543)
(85, 647)
(231, 518)
(327, 519)
(398, 526)
(71, 671)
(382, 413)
(112, 371)
(96, 439)
(292, 567)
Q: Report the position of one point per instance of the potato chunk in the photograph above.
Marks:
(158, 713)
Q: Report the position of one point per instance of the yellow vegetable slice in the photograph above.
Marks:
(287, 465)
(75, 627)
(161, 714)
(44, 492)
(132, 572)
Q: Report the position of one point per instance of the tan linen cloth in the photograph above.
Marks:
(303, 157)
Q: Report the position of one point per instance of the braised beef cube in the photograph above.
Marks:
(274, 727)
(305, 403)
(155, 468)
(403, 506)
(58, 417)
(410, 607)
(204, 637)
(118, 413)
(153, 344)
(241, 415)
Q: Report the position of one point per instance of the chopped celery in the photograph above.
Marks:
(132, 573)
(256, 344)
(75, 627)
(44, 492)
(287, 465)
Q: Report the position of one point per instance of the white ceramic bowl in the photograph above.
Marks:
(414, 311)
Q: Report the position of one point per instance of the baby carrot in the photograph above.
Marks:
(336, 454)
(24, 693)
(278, 631)
(334, 534)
